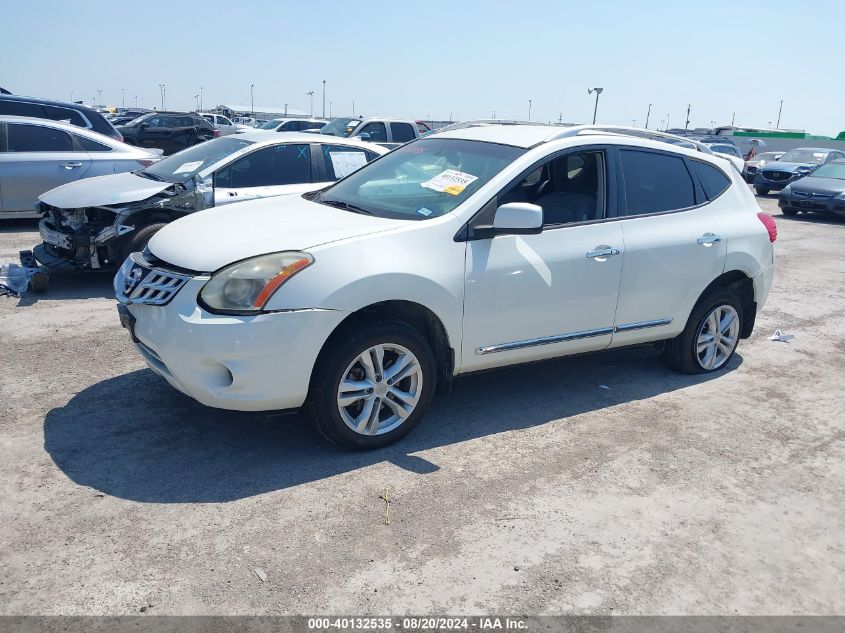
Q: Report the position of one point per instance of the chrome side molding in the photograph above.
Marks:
(562, 338)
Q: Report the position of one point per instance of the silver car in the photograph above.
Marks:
(37, 155)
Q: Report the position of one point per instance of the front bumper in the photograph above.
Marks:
(762, 182)
(242, 363)
(808, 203)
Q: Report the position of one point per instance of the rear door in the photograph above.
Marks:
(37, 158)
(158, 133)
(674, 247)
(269, 171)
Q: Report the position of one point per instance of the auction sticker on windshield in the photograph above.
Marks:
(450, 181)
(188, 167)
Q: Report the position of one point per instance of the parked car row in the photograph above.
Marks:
(468, 249)
(794, 164)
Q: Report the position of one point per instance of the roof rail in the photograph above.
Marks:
(621, 130)
(462, 125)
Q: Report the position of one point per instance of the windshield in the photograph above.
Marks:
(803, 156)
(725, 149)
(270, 125)
(181, 166)
(137, 121)
(423, 179)
(831, 170)
(343, 126)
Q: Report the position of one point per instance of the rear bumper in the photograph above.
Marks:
(828, 205)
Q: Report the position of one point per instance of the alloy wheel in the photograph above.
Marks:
(717, 337)
(380, 389)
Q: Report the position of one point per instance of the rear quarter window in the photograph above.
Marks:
(656, 182)
(713, 180)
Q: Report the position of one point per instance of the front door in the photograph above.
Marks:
(271, 171)
(529, 297)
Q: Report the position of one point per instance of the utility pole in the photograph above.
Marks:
(324, 98)
(648, 114)
(252, 100)
(733, 118)
(310, 93)
(529, 109)
(598, 91)
(780, 109)
(689, 107)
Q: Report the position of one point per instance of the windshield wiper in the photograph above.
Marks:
(340, 204)
(146, 174)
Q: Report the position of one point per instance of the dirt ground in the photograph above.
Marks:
(530, 490)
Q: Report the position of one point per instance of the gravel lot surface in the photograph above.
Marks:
(527, 490)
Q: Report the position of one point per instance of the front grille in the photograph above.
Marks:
(777, 175)
(814, 196)
(138, 281)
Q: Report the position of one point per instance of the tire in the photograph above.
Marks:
(339, 360)
(138, 240)
(681, 353)
(39, 282)
(789, 211)
(762, 191)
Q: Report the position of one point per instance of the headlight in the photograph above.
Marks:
(841, 196)
(786, 190)
(247, 286)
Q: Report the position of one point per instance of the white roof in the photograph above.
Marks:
(270, 136)
(520, 135)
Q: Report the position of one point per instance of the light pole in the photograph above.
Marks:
(733, 118)
(598, 91)
(136, 101)
(200, 98)
(310, 93)
(330, 108)
(286, 109)
(123, 98)
(197, 99)
(99, 97)
(353, 108)
(161, 89)
(324, 98)
(648, 114)
(667, 120)
(71, 96)
(689, 107)
(529, 109)
(251, 100)
(633, 123)
(780, 109)
(494, 115)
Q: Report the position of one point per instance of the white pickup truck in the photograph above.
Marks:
(388, 133)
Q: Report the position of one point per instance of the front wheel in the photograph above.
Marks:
(138, 241)
(372, 385)
(710, 337)
(762, 191)
(789, 211)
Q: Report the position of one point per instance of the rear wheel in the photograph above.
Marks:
(710, 337)
(140, 238)
(372, 385)
(789, 211)
(762, 191)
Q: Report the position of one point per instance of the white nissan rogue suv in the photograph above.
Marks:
(468, 249)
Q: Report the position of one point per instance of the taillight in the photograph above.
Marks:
(146, 162)
(769, 222)
(215, 133)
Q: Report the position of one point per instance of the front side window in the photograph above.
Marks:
(376, 130)
(569, 188)
(656, 182)
(420, 180)
(712, 180)
(36, 138)
(182, 166)
(402, 132)
(221, 120)
(290, 126)
(340, 127)
(287, 164)
(342, 160)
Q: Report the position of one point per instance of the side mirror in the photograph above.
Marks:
(144, 126)
(364, 136)
(518, 218)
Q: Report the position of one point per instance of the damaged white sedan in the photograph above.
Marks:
(96, 223)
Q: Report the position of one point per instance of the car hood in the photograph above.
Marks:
(824, 186)
(213, 238)
(777, 165)
(113, 189)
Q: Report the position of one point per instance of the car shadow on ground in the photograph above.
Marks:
(72, 285)
(135, 437)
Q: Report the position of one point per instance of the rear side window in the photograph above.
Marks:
(16, 108)
(64, 114)
(35, 138)
(342, 160)
(90, 145)
(656, 182)
(402, 132)
(712, 180)
(276, 165)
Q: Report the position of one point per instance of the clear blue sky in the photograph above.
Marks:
(467, 58)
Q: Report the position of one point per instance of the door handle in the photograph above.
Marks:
(70, 165)
(233, 193)
(709, 239)
(602, 252)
